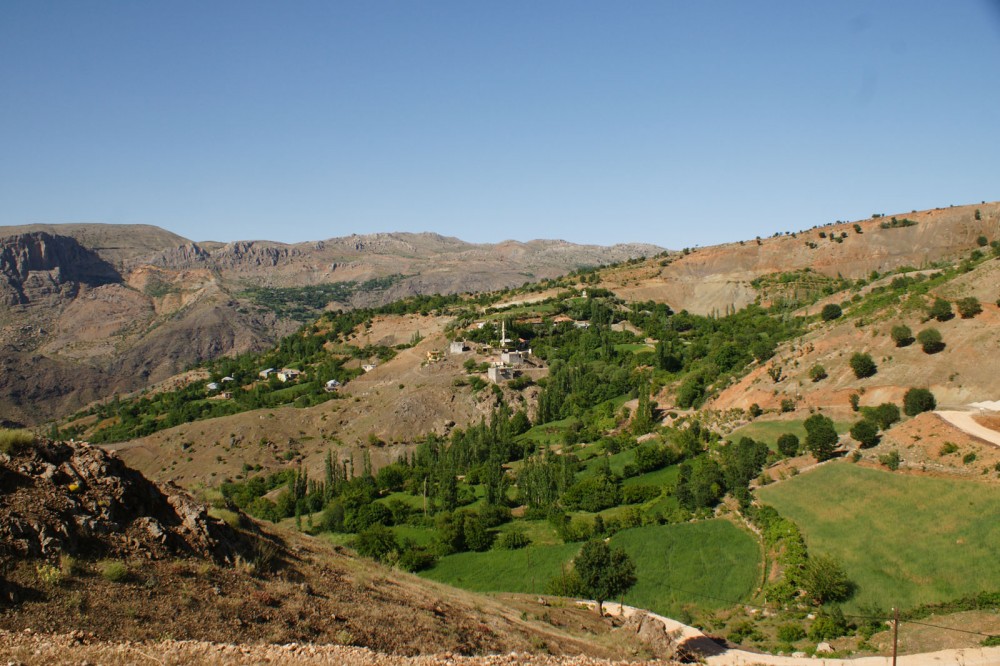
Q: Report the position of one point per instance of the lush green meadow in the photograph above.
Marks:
(709, 564)
(527, 570)
(903, 539)
(769, 431)
(705, 564)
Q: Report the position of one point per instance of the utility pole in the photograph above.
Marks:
(895, 633)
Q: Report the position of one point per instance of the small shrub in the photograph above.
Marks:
(901, 335)
(787, 405)
(947, 449)
(969, 458)
(891, 460)
(114, 571)
(830, 312)
(49, 574)
(940, 310)
(969, 307)
(817, 373)
(930, 340)
(789, 633)
(15, 441)
(828, 624)
(68, 565)
(513, 540)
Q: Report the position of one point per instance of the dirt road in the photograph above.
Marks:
(964, 422)
(717, 655)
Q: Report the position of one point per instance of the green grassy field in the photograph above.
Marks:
(709, 564)
(526, 570)
(904, 540)
(704, 564)
(769, 431)
(660, 477)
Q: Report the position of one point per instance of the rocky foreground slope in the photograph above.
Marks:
(93, 555)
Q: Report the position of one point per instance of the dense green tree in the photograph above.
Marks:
(742, 461)
(642, 422)
(604, 572)
(825, 580)
(863, 365)
(376, 542)
(788, 444)
(700, 483)
(884, 415)
(477, 537)
(865, 432)
(918, 400)
(821, 437)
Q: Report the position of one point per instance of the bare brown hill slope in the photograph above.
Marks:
(87, 310)
(382, 412)
(93, 549)
(961, 373)
(716, 279)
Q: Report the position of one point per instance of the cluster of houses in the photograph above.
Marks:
(283, 375)
(510, 359)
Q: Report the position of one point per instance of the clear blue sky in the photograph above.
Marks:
(679, 123)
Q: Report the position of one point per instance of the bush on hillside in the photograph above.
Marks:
(817, 373)
(918, 400)
(863, 365)
(969, 307)
(788, 444)
(15, 441)
(930, 340)
(901, 335)
(865, 433)
(830, 312)
(940, 310)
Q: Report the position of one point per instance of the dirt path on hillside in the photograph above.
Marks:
(716, 655)
(965, 422)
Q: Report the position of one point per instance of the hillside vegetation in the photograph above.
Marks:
(687, 440)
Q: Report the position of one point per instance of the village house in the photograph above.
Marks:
(211, 386)
(368, 367)
(264, 374)
(458, 347)
(332, 386)
(512, 358)
(288, 374)
(498, 372)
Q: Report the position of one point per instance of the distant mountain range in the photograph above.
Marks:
(87, 310)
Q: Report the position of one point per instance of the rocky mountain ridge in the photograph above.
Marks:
(89, 310)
